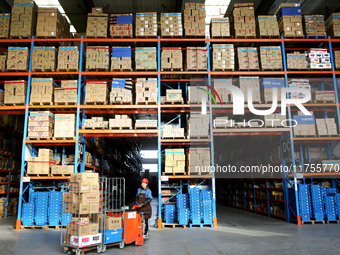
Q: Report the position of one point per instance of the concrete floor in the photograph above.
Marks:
(238, 232)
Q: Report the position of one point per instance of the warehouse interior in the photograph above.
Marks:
(100, 99)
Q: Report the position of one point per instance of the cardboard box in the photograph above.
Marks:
(199, 161)
(42, 164)
(85, 177)
(23, 19)
(315, 25)
(5, 19)
(220, 28)
(96, 92)
(120, 122)
(62, 170)
(121, 91)
(171, 59)
(291, 26)
(198, 126)
(223, 57)
(85, 187)
(145, 123)
(267, 88)
(331, 127)
(3, 59)
(72, 197)
(305, 125)
(121, 25)
(337, 59)
(196, 95)
(83, 230)
(250, 82)
(44, 58)
(296, 60)
(86, 241)
(82, 208)
(17, 58)
(321, 127)
(333, 25)
(146, 91)
(97, 58)
(50, 23)
(171, 25)
(42, 91)
(243, 21)
(40, 125)
(247, 58)
(64, 125)
(146, 24)
(121, 59)
(97, 24)
(323, 96)
(15, 92)
(68, 58)
(170, 131)
(267, 26)
(194, 20)
(196, 58)
(68, 93)
(113, 223)
(174, 159)
(271, 58)
(145, 58)
(174, 95)
(318, 58)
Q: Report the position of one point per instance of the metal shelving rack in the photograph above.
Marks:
(81, 110)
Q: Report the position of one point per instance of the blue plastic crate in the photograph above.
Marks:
(113, 236)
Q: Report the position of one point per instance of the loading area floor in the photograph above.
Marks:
(239, 232)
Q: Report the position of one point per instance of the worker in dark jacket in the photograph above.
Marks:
(144, 197)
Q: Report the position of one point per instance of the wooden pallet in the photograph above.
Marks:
(222, 69)
(316, 36)
(13, 70)
(20, 37)
(94, 103)
(64, 175)
(269, 36)
(41, 103)
(313, 222)
(42, 227)
(333, 221)
(39, 138)
(245, 36)
(171, 69)
(67, 70)
(172, 225)
(324, 101)
(182, 173)
(65, 103)
(42, 70)
(173, 102)
(291, 36)
(174, 138)
(306, 136)
(14, 104)
(154, 128)
(146, 103)
(120, 103)
(64, 138)
(120, 128)
(122, 70)
(30, 175)
(199, 137)
(201, 225)
(98, 70)
(222, 37)
(192, 69)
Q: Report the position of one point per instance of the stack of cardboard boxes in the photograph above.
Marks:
(199, 161)
(121, 25)
(337, 59)
(51, 23)
(296, 60)
(315, 25)
(305, 125)
(173, 95)
(44, 58)
(318, 59)
(63, 168)
(96, 122)
(120, 92)
(274, 120)
(40, 125)
(220, 28)
(267, 26)
(15, 92)
(68, 58)
(97, 57)
(326, 127)
(252, 82)
(171, 59)
(301, 84)
(267, 88)
(42, 91)
(3, 59)
(194, 19)
(248, 58)
(223, 92)
(96, 92)
(196, 94)
(120, 122)
(146, 24)
(333, 25)
(64, 126)
(23, 18)
(145, 58)
(121, 58)
(145, 124)
(97, 23)
(42, 164)
(17, 59)
(5, 19)
(171, 25)
(174, 161)
(146, 91)
(198, 126)
(243, 20)
(2, 97)
(290, 20)
(68, 92)
(89, 158)
(196, 58)
(271, 57)
(170, 131)
(84, 199)
(324, 96)
(223, 57)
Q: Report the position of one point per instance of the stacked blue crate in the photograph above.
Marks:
(183, 212)
(331, 191)
(66, 217)
(304, 202)
(195, 206)
(169, 213)
(207, 206)
(27, 218)
(317, 202)
(330, 207)
(41, 208)
(337, 205)
(54, 208)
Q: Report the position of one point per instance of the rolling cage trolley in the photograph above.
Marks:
(83, 235)
(113, 206)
